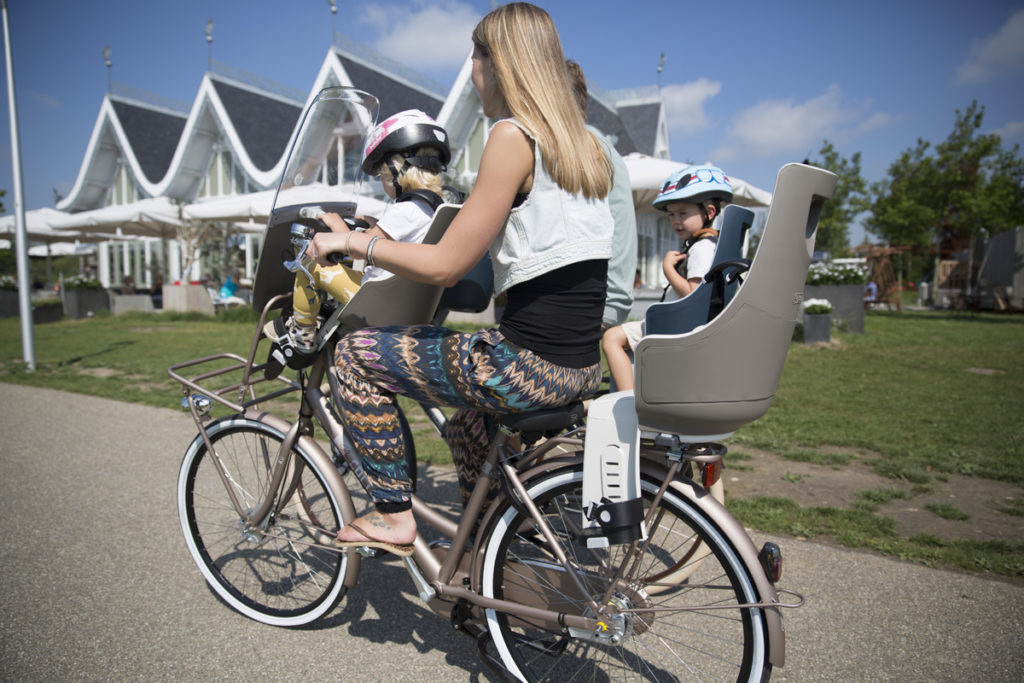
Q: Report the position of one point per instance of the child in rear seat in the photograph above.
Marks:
(408, 152)
(692, 198)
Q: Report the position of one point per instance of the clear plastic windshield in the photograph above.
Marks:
(322, 170)
(328, 148)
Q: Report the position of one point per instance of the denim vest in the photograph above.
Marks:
(551, 229)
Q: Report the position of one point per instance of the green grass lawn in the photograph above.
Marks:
(920, 394)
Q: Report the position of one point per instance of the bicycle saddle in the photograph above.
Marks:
(545, 422)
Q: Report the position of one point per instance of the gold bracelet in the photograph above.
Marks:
(344, 247)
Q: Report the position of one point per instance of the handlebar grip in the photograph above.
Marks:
(310, 211)
(337, 257)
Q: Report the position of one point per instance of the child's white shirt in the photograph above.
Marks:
(403, 222)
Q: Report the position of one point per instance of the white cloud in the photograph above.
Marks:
(1000, 54)
(45, 100)
(787, 127)
(1012, 132)
(425, 35)
(684, 105)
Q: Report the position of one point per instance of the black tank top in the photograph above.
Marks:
(557, 315)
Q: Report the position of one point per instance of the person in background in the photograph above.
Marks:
(156, 291)
(622, 265)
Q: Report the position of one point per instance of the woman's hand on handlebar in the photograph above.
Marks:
(325, 244)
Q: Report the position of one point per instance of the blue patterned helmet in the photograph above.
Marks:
(694, 184)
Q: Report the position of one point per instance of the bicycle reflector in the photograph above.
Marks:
(771, 559)
(711, 473)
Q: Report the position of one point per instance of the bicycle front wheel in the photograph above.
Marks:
(281, 572)
(669, 618)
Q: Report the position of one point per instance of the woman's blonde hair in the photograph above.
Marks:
(523, 45)
(414, 177)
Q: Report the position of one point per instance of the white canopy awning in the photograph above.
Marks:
(61, 249)
(647, 174)
(152, 217)
(256, 206)
(37, 226)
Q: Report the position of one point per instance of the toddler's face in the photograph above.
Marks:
(386, 182)
(686, 218)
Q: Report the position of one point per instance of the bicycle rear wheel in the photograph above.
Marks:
(278, 573)
(661, 627)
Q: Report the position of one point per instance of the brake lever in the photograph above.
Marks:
(301, 237)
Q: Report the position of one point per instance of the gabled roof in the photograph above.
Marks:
(152, 135)
(394, 94)
(264, 123)
(609, 122)
(396, 86)
(643, 114)
(642, 120)
(127, 130)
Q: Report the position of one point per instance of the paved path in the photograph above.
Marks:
(95, 583)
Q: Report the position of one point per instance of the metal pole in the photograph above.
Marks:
(21, 238)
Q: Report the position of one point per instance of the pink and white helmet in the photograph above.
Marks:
(404, 133)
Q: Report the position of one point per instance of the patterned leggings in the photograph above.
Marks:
(479, 373)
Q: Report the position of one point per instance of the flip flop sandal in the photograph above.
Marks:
(402, 550)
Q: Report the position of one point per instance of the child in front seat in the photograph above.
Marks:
(692, 198)
(408, 152)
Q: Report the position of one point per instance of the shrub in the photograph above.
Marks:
(833, 274)
(817, 306)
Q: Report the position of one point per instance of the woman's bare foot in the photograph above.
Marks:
(398, 528)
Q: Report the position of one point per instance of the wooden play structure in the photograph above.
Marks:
(879, 261)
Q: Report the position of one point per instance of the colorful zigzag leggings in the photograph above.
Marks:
(478, 373)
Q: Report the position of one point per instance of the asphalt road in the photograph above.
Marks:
(95, 583)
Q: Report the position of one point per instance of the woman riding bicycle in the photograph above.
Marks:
(540, 206)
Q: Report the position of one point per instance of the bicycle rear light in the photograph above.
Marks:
(771, 559)
(712, 472)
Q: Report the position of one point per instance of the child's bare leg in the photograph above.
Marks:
(616, 351)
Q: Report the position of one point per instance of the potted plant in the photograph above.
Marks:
(83, 296)
(817, 321)
(843, 286)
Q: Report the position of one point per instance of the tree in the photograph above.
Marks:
(848, 201)
(970, 183)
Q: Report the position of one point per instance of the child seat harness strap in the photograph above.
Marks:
(702, 234)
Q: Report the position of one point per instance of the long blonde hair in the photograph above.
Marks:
(523, 45)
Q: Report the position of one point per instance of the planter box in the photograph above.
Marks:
(187, 298)
(131, 303)
(82, 303)
(47, 313)
(847, 304)
(9, 305)
(817, 328)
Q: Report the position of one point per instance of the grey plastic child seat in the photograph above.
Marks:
(397, 301)
(677, 317)
(705, 384)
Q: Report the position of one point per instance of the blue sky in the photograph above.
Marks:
(748, 85)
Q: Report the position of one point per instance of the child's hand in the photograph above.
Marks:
(672, 260)
(334, 222)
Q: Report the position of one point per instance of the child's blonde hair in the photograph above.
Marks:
(414, 177)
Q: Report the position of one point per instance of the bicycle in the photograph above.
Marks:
(560, 579)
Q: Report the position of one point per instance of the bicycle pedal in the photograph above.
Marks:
(364, 551)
